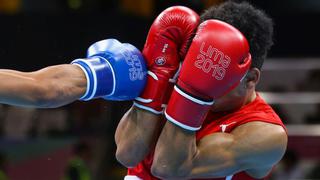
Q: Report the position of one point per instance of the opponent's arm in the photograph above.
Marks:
(49, 87)
(166, 45)
(253, 147)
(108, 70)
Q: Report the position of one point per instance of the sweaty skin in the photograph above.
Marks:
(219, 154)
(136, 135)
(49, 87)
(178, 155)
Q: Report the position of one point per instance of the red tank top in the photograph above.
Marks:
(258, 110)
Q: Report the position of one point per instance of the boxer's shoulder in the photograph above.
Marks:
(255, 146)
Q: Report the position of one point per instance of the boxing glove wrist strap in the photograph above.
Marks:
(186, 111)
(155, 95)
(100, 77)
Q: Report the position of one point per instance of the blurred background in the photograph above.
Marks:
(45, 144)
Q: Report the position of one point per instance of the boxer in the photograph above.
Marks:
(108, 70)
(215, 126)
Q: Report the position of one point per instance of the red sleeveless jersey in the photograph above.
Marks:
(257, 110)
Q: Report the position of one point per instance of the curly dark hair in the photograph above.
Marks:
(254, 24)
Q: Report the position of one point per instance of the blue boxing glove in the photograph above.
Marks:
(114, 71)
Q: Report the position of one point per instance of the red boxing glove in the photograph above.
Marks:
(166, 45)
(216, 62)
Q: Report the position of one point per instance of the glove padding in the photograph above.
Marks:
(114, 71)
(166, 45)
(217, 61)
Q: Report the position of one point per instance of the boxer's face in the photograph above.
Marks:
(231, 101)
(239, 96)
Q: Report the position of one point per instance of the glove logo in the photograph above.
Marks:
(165, 47)
(133, 61)
(212, 61)
(160, 61)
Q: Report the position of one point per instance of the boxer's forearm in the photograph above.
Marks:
(50, 87)
(177, 155)
(174, 153)
(136, 135)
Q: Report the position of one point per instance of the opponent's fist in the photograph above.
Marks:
(216, 62)
(166, 45)
(114, 71)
